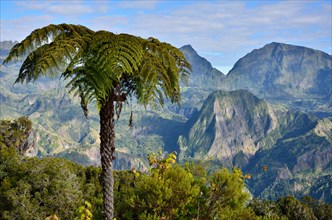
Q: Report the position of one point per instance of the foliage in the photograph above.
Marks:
(167, 191)
(181, 192)
(84, 212)
(52, 217)
(102, 64)
(37, 188)
(107, 68)
(161, 164)
(294, 209)
(51, 188)
(142, 144)
(14, 134)
(225, 192)
(93, 191)
(322, 210)
(291, 208)
(267, 209)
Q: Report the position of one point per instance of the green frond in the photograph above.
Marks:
(84, 102)
(68, 43)
(28, 71)
(162, 67)
(43, 36)
(117, 54)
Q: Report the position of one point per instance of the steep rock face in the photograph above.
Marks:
(203, 74)
(228, 126)
(5, 47)
(297, 162)
(299, 76)
(127, 162)
(324, 129)
(237, 128)
(203, 80)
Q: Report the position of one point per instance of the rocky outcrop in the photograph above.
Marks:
(229, 123)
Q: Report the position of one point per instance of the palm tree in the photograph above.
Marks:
(105, 67)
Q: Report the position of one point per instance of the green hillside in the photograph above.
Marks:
(238, 129)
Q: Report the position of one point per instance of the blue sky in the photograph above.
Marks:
(221, 31)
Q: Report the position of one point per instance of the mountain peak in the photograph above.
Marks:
(285, 46)
(212, 128)
(203, 74)
(189, 52)
(280, 72)
(5, 47)
(187, 47)
(277, 44)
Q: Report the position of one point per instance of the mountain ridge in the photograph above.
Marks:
(222, 113)
(251, 133)
(297, 76)
(203, 73)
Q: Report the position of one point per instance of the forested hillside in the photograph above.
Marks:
(55, 188)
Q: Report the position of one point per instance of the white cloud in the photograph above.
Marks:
(221, 31)
(18, 29)
(234, 29)
(68, 8)
(147, 4)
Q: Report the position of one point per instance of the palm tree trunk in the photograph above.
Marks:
(107, 141)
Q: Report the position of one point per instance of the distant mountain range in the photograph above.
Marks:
(273, 110)
(296, 76)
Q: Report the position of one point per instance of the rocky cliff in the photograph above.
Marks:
(228, 125)
(297, 76)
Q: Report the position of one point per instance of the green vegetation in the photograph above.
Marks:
(14, 134)
(105, 68)
(291, 208)
(238, 129)
(58, 189)
(54, 188)
(34, 188)
(297, 152)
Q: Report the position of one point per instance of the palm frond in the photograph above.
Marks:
(43, 36)
(161, 68)
(103, 64)
(116, 54)
(68, 43)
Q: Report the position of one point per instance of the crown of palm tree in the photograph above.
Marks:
(102, 64)
(105, 67)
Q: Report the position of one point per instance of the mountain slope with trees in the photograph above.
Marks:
(238, 129)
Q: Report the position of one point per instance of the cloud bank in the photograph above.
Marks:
(221, 31)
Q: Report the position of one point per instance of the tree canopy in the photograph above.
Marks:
(100, 64)
(105, 67)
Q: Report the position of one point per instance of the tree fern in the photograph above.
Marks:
(105, 67)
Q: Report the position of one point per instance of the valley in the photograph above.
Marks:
(272, 109)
